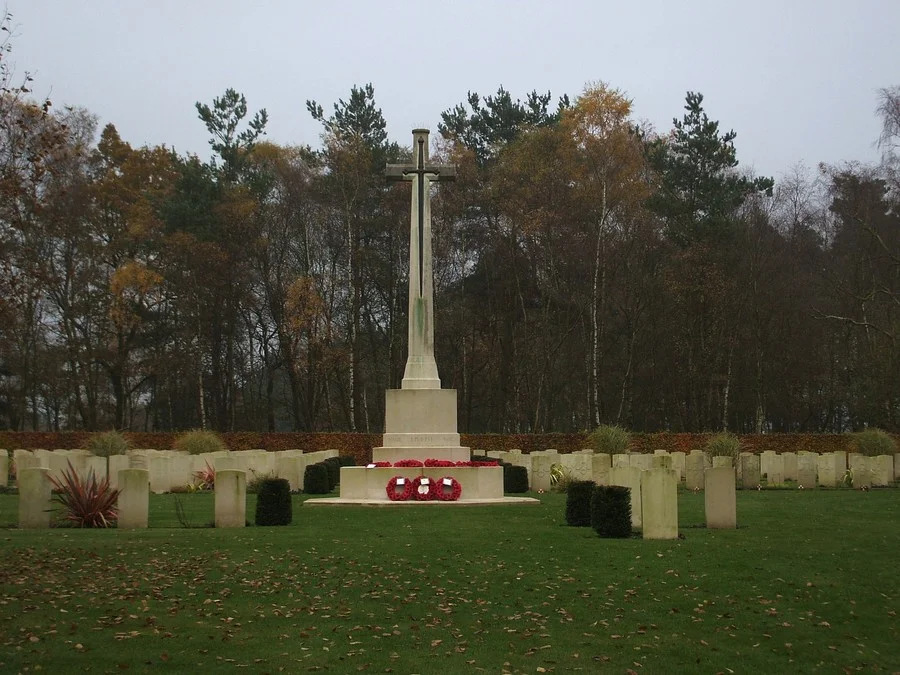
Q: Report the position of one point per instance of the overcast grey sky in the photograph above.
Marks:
(796, 79)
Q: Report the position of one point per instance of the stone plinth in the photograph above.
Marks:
(34, 498)
(720, 497)
(134, 498)
(694, 468)
(420, 424)
(630, 477)
(659, 504)
(231, 498)
(749, 471)
(806, 470)
(601, 463)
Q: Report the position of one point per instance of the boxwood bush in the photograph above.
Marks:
(334, 470)
(578, 503)
(316, 480)
(273, 502)
(515, 478)
(611, 511)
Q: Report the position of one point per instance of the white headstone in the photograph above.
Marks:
(34, 498)
(630, 477)
(231, 498)
(659, 504)
(720, 498)
(134, 498)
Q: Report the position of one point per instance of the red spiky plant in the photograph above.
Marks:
(86, 502)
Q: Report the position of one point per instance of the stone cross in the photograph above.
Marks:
(421, 368)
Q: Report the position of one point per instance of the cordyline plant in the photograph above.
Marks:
(86, 502)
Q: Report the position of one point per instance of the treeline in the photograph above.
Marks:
(587, 270)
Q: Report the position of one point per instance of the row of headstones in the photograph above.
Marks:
(36, 507)
(168, 469)
(807, 469)
(654, 498)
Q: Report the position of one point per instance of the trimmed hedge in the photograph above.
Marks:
(611, 511)
(578, 503)
(334, 470)
(273, 503)
(515, 479)
(316, 479)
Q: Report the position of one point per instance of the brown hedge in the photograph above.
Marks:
(359, 446)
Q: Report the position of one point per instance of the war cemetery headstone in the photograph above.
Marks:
(694, 469)
(806, 470)
(790, 465)
(231, 498)
(34, 498)
(720, 498)
(678, 464)
(662, 462)
(882, 470)
(659, 504)
(749, 471)
(771, 465)
(4, 468)
(134, 498)
(601, 463)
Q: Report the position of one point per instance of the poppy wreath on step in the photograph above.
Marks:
(399, 489)
(409, 463)
(448, 489)
(423, 488)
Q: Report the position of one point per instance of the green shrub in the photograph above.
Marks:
(723, 445)
(560, 479)
(273, 503)
(86, 502)
(256, 481)
(610, 439)
(874, 442)
(197, 442)
(334, 470)
(611, 511)
(315, 479)
(515, 479)
(481, 458)
(107, 444)
(347, 460)
(578, 503)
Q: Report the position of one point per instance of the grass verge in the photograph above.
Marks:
(806, 584)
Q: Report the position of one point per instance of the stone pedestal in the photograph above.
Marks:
(231, 498)
(134, 498)
(721, 500)
(420, 424)
(659, 504)
(34, 498)
(630, 477)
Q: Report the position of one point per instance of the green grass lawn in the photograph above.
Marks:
(808, 583)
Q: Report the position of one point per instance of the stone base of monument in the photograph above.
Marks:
(363, 486)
